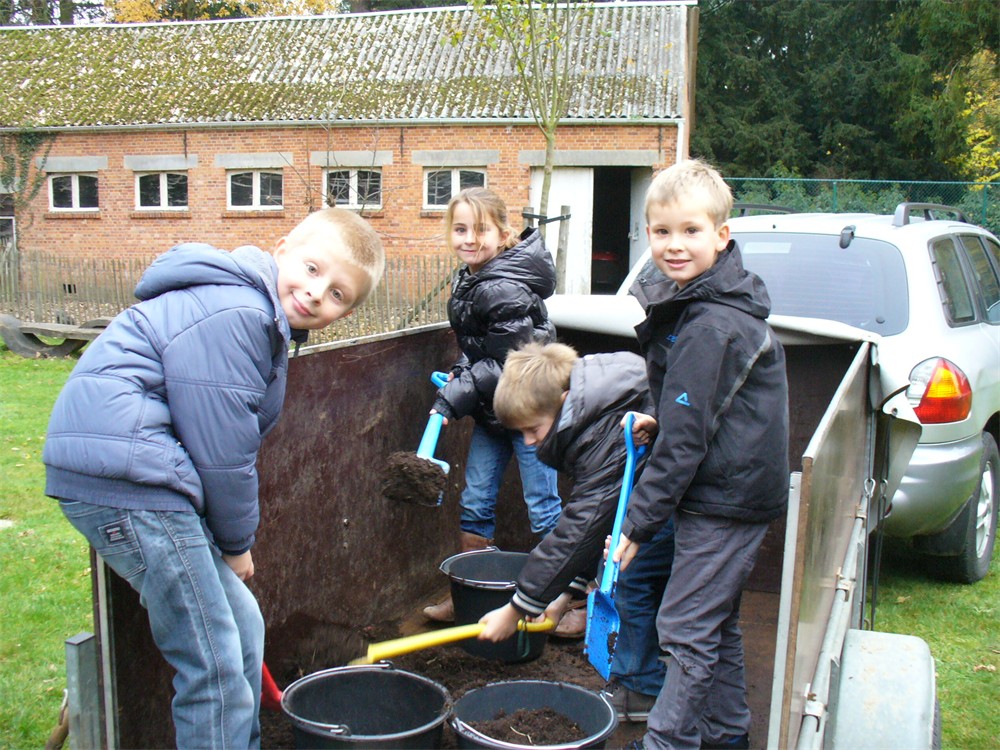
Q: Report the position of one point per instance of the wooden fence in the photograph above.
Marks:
(47, 288)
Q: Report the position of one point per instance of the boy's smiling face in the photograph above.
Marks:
(683, 238)
(316, 283)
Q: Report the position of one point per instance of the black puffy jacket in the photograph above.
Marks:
(493, 311)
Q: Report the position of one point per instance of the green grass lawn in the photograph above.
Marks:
(44, 564)
(45, 590)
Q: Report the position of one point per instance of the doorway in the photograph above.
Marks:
(610, 250)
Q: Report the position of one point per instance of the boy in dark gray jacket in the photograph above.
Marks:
(717, 374)
(152, 446)
(572, 408)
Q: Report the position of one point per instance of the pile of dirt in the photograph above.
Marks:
(408, 478)
(539, 726)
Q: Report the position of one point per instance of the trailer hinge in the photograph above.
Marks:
(844, 583)
(813, 706)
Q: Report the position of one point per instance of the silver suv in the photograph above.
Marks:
(930, 287)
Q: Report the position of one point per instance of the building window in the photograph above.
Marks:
(256, 189)
(354, 188)
(441, 184)
(73, 192)
(161, 190)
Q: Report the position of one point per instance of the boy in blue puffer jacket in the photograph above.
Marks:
(152, 445)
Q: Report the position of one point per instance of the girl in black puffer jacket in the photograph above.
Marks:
(495, 306)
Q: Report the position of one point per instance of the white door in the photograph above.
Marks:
(637, 216)
(573, 187)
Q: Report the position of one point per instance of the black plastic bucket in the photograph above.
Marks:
(481, 581)
(589, 710)
(374, 706)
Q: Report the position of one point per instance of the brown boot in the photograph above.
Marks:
(445, 611)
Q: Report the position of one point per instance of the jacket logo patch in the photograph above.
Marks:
(683, 399)
(671, 339)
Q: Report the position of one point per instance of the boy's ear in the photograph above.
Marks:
(279, 247)
(723, 237)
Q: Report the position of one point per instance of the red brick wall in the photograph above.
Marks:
(118, 230)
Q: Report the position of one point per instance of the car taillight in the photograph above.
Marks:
(939, 392)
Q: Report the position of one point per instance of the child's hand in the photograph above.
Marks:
(644, 428)
(500, 624)
(557, 608)
(626, 550)
(444, 420)
(242, 565)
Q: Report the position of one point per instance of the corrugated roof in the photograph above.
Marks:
(628, 62)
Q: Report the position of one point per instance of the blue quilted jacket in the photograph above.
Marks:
(166, 410)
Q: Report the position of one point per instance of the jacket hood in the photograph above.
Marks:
(726, 283)
(599, 384)
(195, 264)
(528, 262)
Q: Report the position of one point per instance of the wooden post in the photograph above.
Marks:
(562, 248)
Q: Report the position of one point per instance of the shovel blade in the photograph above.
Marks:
(603, 624)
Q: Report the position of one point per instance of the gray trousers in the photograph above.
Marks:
(704, 695)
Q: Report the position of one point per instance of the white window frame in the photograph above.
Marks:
(255, 201)
(455, 183)
(354, 201)
(74, 190)
(164, 206)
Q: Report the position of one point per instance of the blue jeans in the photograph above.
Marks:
(637, 663)
(204, 619)
(488, 458)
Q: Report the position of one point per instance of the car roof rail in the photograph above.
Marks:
(743, 208)
(901, 217)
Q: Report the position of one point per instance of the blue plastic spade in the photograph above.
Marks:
(603, 622)
(428, 443)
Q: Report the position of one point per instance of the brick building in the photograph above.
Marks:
(229, 132)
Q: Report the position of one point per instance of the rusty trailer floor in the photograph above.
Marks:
(564, 660)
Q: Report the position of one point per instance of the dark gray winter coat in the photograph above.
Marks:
(717, 374)
(586, 443)
(167, 408)
(497, 309)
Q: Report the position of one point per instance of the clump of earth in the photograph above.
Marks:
(537, 726)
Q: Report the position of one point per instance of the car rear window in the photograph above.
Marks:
(811, 276)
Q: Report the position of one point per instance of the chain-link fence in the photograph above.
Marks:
(979, 201)
(47, 288)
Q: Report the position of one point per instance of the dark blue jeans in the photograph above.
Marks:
(637, 664)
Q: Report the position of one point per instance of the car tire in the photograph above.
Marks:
(979, 519)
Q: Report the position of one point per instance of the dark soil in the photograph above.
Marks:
(539, 726)
(411, 479)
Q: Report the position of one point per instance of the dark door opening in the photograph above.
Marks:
(610, 242)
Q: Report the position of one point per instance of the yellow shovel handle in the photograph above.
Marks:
(400, 646)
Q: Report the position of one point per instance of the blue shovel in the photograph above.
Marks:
(428, 443)
(603, 622)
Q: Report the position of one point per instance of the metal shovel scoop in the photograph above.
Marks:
(400, 646)
(603, 622)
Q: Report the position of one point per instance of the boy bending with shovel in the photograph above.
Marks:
(572, 408)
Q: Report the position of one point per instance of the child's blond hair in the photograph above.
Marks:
(692, 179)
(533, 382)
(485, 204)
(361, 246)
